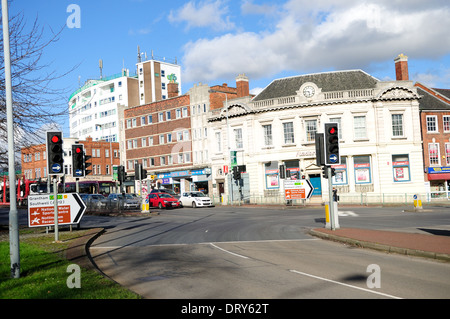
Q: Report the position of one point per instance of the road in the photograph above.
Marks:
(232, 252)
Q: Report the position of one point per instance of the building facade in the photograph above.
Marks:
(435, 122)
(380, 140)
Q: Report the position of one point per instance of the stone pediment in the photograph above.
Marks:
(235, 109)
(397, 93)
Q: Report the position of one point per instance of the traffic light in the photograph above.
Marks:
(78, 160)
(236, 173)
(86, 158)
(121, 174)
(282, 171)
(331, 141)
(325, 171)
(139, 172)
(55, 153)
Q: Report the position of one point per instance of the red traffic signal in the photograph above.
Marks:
(55, 139)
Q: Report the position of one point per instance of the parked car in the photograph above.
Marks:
(165, 190)
(123, 201)
(162, 200)
(94, 201)
(195, 199)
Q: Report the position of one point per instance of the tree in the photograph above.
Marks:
(36, 100)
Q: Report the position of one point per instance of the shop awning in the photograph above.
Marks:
(438, 176)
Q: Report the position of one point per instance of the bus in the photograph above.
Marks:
(89, 187)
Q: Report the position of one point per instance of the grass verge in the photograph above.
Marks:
(44, 271)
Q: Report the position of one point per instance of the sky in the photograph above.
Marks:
(215, 40)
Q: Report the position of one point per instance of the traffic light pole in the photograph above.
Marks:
(55, 194)
(330, 197)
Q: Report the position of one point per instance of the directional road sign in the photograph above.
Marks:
(297, 189)
(41, 210)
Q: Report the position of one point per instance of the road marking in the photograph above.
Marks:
(347, 213)
(229, 251)
(347, 285)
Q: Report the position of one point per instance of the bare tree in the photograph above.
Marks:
(36, 100)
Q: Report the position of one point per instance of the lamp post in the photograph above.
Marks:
(230, 183)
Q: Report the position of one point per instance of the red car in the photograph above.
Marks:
(163, 200)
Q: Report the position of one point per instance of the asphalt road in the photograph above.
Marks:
(231, 252)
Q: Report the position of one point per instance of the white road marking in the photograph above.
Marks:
(347, 285)
(229, 251)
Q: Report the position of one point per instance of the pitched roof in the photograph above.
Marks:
(430, 102)
(327, 81)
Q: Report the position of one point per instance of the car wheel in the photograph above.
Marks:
(194, 205)
(160, 206)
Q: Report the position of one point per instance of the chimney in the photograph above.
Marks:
(242, 85)
(401, 68)
(172, 89)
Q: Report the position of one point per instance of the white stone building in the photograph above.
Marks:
(380, 138)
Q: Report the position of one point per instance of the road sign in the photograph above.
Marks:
(297, 189)
(41, 210)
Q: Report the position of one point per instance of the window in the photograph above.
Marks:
(150, 119)
(135, 143)
(400, 166)
(169, 159)
(107, 170)
(168, 116)
(238, 138)
(150, 140)
(397, 124)
(130, 164)
(186, 135)
(288, 129)
(134, 122)
(129, 145)
(161, 139)
(267, 129)
(340, 173)
(432, 123)
(160, 117)
(271, 175)
(142, 120)
(447, 154)
(187, 157)
(311, 128)
(179, 136)
(128, 124)
(178, 113)
(162, 160)
(185, 112)
(144, 142)
(218, 142)
(433, 153)
(106, 152)
(362, 169)
(180, 158)
(338, 121)
(169, 137)
(446, 121)
(359, 126)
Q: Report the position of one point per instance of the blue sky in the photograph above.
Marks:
(215, 40)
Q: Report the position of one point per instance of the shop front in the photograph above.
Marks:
(439, 179)
(186, 180)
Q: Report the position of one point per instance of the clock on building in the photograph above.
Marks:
(308, 91)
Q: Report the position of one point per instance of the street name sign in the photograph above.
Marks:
(297, 189)
(41, 209)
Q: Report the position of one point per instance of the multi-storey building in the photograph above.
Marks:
(96, 109)
(435, 122)
(380, 140)
(158, 136)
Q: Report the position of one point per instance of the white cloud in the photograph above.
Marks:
(205, 14)
(325, 34)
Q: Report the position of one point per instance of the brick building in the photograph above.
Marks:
(158, 136)
(435, 122)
